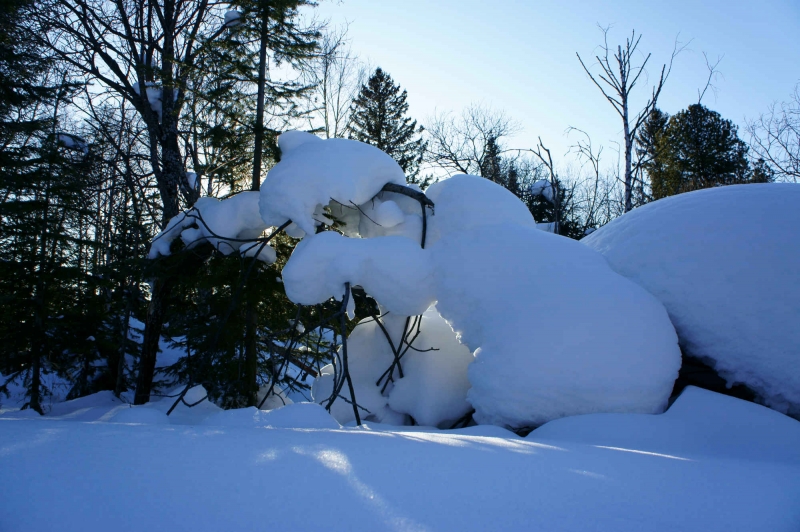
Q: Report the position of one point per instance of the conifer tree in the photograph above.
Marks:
(378, 117)
(694, 149)
(44, 182)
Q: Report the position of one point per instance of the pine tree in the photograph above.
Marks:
(696, 149)
(43, 185)
(378, 116)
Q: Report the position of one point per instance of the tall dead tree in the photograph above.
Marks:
(618, 76)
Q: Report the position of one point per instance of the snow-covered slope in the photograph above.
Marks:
(725, 262)
(591, 472)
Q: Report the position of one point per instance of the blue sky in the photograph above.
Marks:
(519, 56)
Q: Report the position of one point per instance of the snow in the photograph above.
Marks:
(622, 472)
(73, 142)
(554, 330)
(369, 355)
(222, 223)
(294, 416)
(191, 178)
(155, 96)
(140, 415)
(389, 214)
(543, 188)
(699, 424)
(541, 313)
(232, 18)
(724, 262)
(314, 172)
(393, 269)
(434, 385)
(465, 202)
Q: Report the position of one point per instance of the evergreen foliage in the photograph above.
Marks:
(378, 117)
(694, 149)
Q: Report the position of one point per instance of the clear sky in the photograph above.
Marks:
(519, 56)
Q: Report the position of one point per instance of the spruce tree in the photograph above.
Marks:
(378, 117)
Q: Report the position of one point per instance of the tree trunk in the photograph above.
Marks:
(628, 150)
(36, 383)
(156, 312)
(251, 354)
(251, 316)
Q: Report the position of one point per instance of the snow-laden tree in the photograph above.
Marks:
(465, 285)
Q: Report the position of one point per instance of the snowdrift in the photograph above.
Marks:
(724, 262)
(691, 469)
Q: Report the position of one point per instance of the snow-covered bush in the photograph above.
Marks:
(433, 387)
(725, 262)
(538, 325)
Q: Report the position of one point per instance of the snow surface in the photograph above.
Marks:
(626, 473)
(542, 313)
(699, 424)
(293, 416)
(434, 386)
(724, 262)
(554, 330)
(314, 172)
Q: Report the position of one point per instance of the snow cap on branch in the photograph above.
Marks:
(223, 224)
(392, 269)
(314, 172)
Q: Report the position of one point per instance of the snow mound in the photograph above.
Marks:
(369, 355)
(94, 407)
(484, 431)
(388, 214)
(393, 269)
(699, 423)
(293, 416)
(314, 172)
(724, 262)
(554, 330)
(143, 415)
(183, 414)
(464, 202)
(434, 386)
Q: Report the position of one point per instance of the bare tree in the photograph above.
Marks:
(618, 76)
(775, 137)
(337, 75)
(463, 144)
(713, 74)
(596, 196)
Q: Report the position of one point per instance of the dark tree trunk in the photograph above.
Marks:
(36, 383)
(156, 312)
(251, 355)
